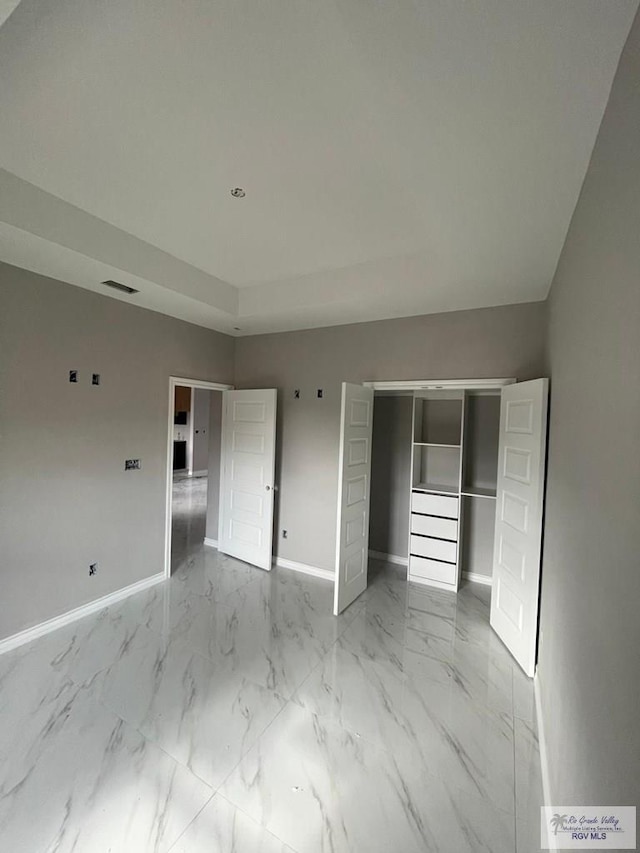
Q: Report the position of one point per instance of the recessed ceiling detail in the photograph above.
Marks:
(402, 158)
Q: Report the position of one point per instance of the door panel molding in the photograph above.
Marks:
(518, 527)
(247, 472)
(354, 466)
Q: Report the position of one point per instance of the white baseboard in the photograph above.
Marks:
(325, 574)
(542, 745)
(211, 543)
(389, 558)
(29, 634)
(199, 473)
(476, 578)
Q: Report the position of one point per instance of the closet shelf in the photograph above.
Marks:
(434, 444)
(435, 489)
(477, 492)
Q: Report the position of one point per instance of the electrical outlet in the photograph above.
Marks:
(320, 393)
(95, 379)
(132, 464)
(93, 569)
(285, 533)
(73, 376)
(296, 394)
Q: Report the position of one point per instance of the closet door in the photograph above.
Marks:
(354, 488)
(518, 531)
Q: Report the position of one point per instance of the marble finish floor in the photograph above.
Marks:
(228, 710)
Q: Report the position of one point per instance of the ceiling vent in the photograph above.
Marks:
(123, 288)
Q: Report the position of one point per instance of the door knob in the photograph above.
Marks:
(268, 488)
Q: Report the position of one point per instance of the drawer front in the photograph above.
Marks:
(436, 548)
(434, 505)
(420, 567)
(431, 525)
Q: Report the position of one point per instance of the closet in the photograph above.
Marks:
(458, 492)
(454, 465)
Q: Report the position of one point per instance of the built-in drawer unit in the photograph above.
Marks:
(431, 525)
(432, 570)
(439, 549)
(434, 504)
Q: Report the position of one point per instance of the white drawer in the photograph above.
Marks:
(434, 505)
(431, 525)
(432, 570)
(439, 549)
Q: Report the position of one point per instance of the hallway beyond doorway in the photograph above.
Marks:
(188, 516)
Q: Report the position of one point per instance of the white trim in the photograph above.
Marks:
(189, 383)
(72, 615)
(389, 558)
(210, 543)
(474, 577)
(437, 584)
(202, 473)
(317, 572)
(544, 754)
(438, 384)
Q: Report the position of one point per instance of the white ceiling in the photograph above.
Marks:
(399, 157)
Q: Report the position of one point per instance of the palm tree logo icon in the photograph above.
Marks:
(557, 821)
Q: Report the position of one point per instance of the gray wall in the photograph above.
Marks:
(200, 426)
(391, 475)
(65, 500)
(590, 629)
(213, 483)
(489, 342)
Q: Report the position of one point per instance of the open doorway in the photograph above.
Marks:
(193, 470)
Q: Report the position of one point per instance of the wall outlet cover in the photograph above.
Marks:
(73, 376)
(95, 379)
(93, 568)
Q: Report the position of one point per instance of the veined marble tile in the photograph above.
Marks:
(85, 647)
(529, 792)
(524, 701)
(213, 575)
(457, 740)
(482, 676)
(376, 636)
(295, 602)
(202, 716)
(374, 639)
(276, 657)
(319, 787)
(528, 838)
(222, 828)
(86, 781)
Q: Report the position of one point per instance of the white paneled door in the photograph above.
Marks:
(247, 475)
(352, 543)
(519, 509)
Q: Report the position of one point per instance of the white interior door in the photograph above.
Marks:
(247, 475)
(519, 507)
(352, 541)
